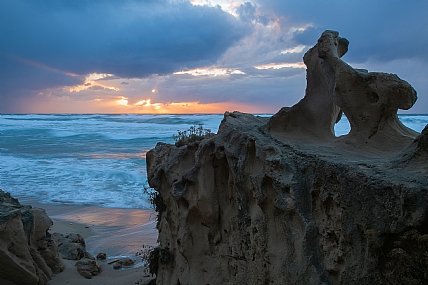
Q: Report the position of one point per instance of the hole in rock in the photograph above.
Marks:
(342, 127)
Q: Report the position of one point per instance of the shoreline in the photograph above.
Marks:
(117, 232)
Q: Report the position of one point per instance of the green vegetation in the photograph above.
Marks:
(193, 134)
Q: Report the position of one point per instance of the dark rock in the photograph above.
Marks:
(123, 262)
(273, 201)
(102, 256)
(88, 267)
(117, 265)
(28, 253)
(127, 261)
(72, 246)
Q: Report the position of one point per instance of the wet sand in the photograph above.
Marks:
(117, 232)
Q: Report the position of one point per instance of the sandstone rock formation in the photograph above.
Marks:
(281, 200)
(312, 118)
(28, 253)
(370, 101)
(72, 246)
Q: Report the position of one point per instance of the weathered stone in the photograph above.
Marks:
(267, 201)
(28, 253)
(123, 262)
(312, 118)
(102, 256)
(72, 246)
(127, 261)
(370, 101)
(88, 267)
(117, 265)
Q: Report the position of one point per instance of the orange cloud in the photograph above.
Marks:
(122, 105)
(45, 103)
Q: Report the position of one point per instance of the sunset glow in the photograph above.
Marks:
(193, 108)
(209, 72)
(147, 103)
(92, 81)
(147, 107)
(123, 101)
(189, 55)
(281, 65)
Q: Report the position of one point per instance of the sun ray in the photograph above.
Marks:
(45, 67)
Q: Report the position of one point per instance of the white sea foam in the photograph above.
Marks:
(96, 159)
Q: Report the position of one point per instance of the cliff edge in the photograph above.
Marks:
(281, 200)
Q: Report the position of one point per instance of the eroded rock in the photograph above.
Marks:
(72, 246)
(101, 256)
(88, 267)
(28, 253)
(312, 118)
(270, 201)
(123, 262)
(370, 101)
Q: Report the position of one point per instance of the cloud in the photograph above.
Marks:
(125, 38)
(267, 89)
(377, 30)
(90, 54)
(100, 88)
(210, 72)
(247, 12)
(308, 36)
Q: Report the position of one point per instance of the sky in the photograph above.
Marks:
(194, 56)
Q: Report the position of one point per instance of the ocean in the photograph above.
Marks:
(96, 159)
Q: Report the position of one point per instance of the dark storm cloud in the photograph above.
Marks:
(377, 30)
(42, 42)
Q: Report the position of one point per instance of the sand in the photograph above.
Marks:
(117, 232)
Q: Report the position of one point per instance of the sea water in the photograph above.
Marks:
(96, 159)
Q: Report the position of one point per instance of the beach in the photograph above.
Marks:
(116, 232)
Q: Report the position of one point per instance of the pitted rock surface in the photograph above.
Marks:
(281, 200)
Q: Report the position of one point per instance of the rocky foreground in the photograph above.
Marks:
(281, 200)
(28, 253)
